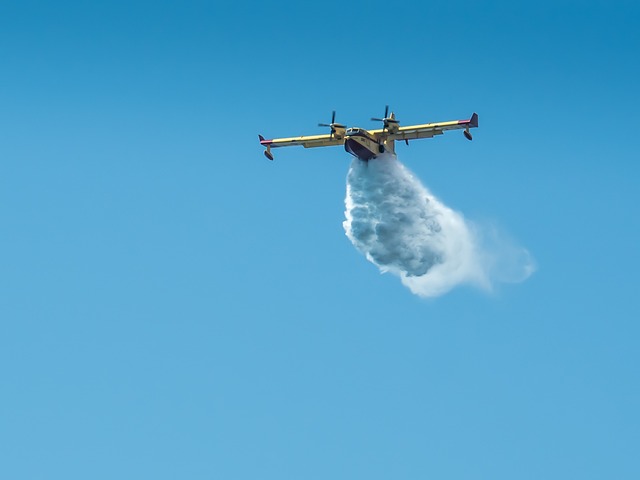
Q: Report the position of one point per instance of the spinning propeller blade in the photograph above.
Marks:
(386, 115)
(384, 119)
(330, 125)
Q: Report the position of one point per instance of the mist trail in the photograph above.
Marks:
(403, 229)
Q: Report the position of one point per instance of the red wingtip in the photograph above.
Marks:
(263, 141)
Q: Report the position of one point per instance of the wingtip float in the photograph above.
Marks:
(367, 144)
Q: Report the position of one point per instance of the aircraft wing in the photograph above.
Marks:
(308, 141)
(429, 130)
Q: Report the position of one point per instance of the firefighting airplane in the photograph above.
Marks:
(367, 144)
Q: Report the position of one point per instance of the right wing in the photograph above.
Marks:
(429, 130)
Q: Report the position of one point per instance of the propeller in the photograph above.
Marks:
(333, 124)
(333, 119)
(386, 120)
(383, 119)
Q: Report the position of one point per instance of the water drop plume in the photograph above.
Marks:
(404, 229)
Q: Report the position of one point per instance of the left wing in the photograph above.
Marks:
(429, 130)
(308, 141)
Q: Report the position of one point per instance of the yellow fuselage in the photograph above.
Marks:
(362, 144)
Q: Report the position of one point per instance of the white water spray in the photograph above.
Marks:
(403, 229)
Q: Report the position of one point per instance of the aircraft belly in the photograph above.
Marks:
(361, 147)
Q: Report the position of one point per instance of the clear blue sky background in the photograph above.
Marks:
(173, 305)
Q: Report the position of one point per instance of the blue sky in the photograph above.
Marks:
(173, 305)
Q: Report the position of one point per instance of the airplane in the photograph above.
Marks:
(367, 144)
